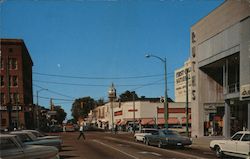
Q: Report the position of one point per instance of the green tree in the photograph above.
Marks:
(60, 114)
(128, 96)
(81, 107)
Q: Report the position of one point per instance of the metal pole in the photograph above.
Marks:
(187, 131)
(37, 118)
(112, 116)
(133, 111)
(166, 95)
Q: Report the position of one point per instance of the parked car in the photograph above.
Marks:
(29, 139)
(238, 145)
(165, 137)
(56, 128)
(12, 148)
(41, 135)
(140, 136)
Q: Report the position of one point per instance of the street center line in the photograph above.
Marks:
(116, 149)
(166, 150)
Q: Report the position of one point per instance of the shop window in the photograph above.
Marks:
(3, 122)
(2, 81)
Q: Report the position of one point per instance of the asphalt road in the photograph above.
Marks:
(103, 145)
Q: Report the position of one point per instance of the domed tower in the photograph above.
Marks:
(112, 96)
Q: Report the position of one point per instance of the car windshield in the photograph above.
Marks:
(168, 132)
(149, 131)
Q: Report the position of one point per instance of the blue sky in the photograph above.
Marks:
(95, 43)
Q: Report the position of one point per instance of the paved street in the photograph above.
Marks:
(103, 145)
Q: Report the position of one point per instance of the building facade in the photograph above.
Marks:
(146, 113)
(181, 79)
(16, 84)
(220, 55)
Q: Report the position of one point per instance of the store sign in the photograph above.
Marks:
(245, 91)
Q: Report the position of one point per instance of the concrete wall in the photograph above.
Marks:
(245, 53)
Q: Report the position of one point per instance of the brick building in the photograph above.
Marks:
(16, 84)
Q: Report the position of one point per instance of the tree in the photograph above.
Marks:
(128, 96)
(60, 114)
(100, 102)
(81, 107)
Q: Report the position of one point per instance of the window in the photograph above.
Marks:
(13, 63)
(14, 98)
(14, 81)
(2, 98)
(237, 137)
(2, 64)
(10, 49)
(246, 137)
(7, 143)
(2, 81)
(3, 123)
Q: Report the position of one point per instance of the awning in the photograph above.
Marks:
(149, 121)
(170, 121)
(118, 121)
(123, 122)
(183, 120)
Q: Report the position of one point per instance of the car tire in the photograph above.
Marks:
(147, 142)
(160, 144)
(218, 152)
(136, 139)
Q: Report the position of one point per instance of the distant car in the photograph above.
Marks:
(69, 127)
(55, 128)
(165, 137)
(29, 139)
(41, 135)
(238, 145)
(140, 136)
(11, 147)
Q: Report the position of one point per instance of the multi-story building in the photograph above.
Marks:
(220, 54)
(182, 77)
(16, 84)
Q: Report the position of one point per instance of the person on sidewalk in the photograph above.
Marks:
(81, 133)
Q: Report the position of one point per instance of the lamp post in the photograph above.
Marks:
(164, 60)
(37, 113)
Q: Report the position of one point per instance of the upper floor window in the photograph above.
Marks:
(2, 81)
(1, 64)
(14, 81)
(14, 98)
(2, 98)
(13, 63)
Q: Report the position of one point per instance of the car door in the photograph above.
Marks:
(231, 145)
(10, 149)
(243, 146)
(155, 138)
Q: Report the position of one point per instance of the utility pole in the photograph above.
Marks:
(112, 96)
(133, 111)
(187, 118)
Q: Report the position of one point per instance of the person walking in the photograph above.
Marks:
(81, 133)
(116, 129)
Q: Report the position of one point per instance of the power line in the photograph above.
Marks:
(98, 78)
(95, 85)
(53, 91)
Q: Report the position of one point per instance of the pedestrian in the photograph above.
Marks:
(116, 129)
(81, 133)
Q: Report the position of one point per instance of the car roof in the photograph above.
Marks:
(20, 132)
(149, 129)
(244, 132)
(6, 135)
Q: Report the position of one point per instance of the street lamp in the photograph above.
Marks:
(164, 60)
(37, 113)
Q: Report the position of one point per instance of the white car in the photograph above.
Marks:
(140, 136)
(40, 135)
(12, 148)
(238, 145)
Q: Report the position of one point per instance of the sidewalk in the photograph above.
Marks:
(204, 142)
